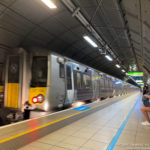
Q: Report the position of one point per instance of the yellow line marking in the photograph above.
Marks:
(50, 123)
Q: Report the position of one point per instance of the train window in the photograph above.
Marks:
(39, 71)
(106, 83)
(110, 84)
(86, 80)
(102, 82)
(61, 70)
(79, 86)
(69, 79)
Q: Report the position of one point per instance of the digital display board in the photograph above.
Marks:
(140, 83)
(135, 74)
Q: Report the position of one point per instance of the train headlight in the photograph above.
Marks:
(40, 98)
(35, 100)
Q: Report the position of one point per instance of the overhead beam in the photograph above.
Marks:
(69, 4)
(120, 7)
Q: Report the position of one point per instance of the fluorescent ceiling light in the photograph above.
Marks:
(118, 66)
(108, 57)
(49, 3)
(123, 70)
(89, 40)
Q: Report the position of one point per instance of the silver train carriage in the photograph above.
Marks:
(47, 81)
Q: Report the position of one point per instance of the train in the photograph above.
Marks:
(47, 80)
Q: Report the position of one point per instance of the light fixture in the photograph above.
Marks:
(123, 70)
(89, 40)
(108, 57)
(100, 50)
(118, 66)
(49, 3)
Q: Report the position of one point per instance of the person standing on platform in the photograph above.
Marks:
(27, 110)
(146, 108)
(145, 90)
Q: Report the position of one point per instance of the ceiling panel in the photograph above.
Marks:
(7, 2)
(2, 8)
(67, 20)
(9, 39)
(15, 23)
(28, 23)
(34, 10)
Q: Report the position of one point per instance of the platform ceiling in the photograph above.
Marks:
(123, 24)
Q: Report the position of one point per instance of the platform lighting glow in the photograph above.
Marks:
(46, 106)
(77, 104)
(108, 57)
(49, 3)
(123, 70)
(118, 66)
(90, 41)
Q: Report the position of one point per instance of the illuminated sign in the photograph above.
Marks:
(137, 81)
(135, 74)
(140, 83)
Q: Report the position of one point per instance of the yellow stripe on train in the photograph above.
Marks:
(1, 89)
(12, 95)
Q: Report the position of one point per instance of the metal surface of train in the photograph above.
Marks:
(47, 80)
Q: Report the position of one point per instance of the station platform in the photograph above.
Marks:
(110, 124)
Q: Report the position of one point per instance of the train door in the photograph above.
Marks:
(78, 84)
(13, 82)
(84, 86)
(70, 84)
(96, 86)
(56, 79)
(102, 84)
(1, 84)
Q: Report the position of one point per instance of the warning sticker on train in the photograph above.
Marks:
(82, 108)
(13, 68)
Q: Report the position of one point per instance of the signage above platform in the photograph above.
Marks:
(135, 74)
(140, 83)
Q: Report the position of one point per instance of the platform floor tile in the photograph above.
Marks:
(95, 131)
